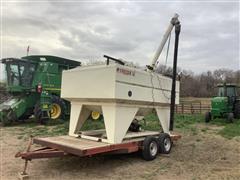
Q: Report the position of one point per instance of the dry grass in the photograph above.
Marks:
(201, 154)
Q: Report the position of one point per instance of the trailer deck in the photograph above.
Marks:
(85, 145)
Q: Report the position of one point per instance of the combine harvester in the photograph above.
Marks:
(124, 93)
(34, 84)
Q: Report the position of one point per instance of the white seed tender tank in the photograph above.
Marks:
(120, 93)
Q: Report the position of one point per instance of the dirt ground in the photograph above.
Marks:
(201, 155)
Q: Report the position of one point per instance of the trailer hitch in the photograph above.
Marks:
(23, 174)
(43, 152)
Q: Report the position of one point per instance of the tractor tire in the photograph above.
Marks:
(165, 143)
(95, 115)
(59, 108)
(208, 117)
(38, 114)
(237, 110)
(150, 148)
(58, 112)
(230, 117)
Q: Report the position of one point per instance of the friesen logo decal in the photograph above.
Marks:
(126, 72)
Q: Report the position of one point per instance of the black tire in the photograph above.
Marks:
(208, 117)
(150, 148)
(230, 117)
(237, 110)
(165, 143)
(135, 126)
(62, 104)
(38, 114)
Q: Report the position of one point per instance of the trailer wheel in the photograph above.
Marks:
(150, 148)
(208, 117)
(165, 143)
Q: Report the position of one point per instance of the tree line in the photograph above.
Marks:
(203, 84)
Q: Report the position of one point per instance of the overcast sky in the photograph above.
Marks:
(129, 30)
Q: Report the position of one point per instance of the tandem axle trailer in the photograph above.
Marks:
(90, 143)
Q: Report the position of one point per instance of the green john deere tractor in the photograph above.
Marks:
(226, 104)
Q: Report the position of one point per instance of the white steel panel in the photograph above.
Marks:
(106, 88)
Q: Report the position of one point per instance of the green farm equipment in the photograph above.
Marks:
(226, 104)
(34, 83)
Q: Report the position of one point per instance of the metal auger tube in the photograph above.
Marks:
(173, 22)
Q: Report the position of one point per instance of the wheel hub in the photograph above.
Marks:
(95, 115)
(153, 148)
(55, 111)
(167, 144)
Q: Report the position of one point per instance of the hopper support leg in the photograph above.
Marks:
(163, 114)
(79, 115)
(117, 119)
